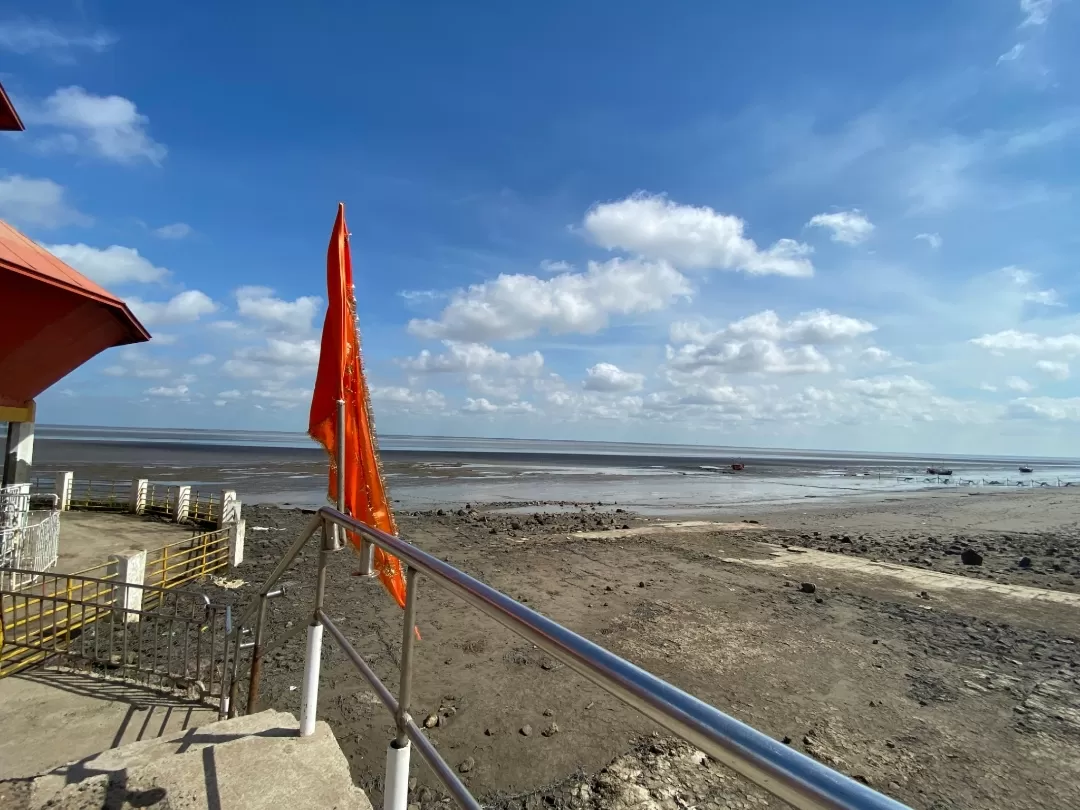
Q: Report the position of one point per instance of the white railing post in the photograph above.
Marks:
(131, 570)
(63, 490)
(226, 505)
(137, 501)
(396, 786)
(236, 543)
(182, 505)
(309, 697)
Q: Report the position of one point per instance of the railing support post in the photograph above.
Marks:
(137, 502)
(309, 697)
(63, 490)
(396, 786)
(256, 658)
(396, 790)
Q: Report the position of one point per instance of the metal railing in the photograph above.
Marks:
(169, 639)
(783, 772)
(33, 543)
(204, 507)
(188, 560)
(160, 499)
(98, 494)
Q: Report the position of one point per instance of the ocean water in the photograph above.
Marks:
(431, 471)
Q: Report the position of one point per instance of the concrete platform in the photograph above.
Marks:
(52, 717)
(88, 538)
(248, 763)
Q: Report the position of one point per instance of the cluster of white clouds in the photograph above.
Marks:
(778, 365)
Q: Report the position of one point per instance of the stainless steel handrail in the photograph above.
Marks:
(780, 770)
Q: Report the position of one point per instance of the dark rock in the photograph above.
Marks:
(1025, 562)
(970, 556)
(641, 584)
(924, 595)
(808, 587)
(489, 732)
(516, 526)
(548, 713)
(819, 600)
(786, 741)
(626, 525)
(440, 512)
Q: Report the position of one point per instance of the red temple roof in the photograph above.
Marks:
(9, 119)
(52, 319)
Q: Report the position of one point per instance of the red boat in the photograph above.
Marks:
(738, 466)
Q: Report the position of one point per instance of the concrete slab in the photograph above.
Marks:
(689, 526)
(51, 718)
(917, 578)
(88, 538)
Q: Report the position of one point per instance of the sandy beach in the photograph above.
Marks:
(923, 643)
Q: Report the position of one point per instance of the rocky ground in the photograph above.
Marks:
(938, 701)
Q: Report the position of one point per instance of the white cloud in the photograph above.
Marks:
(609, 377)
(1013, 53)
(183, 307)
(177, 230)
(1025, 279)
(1018, 384)
(753, 343)
(408, 400)
(517, 306)
(281, 397)
(173, 392)
(108, 126)
(230, 394)
(475, 357)
(38, 36)
(493, 388)
(875, 355)
(480, 405)
(549, 266)
(932, 239)
(277, 359)
(202, 359)
(1036, 12)
(690, 237)
(1058, 369)
(1056, 410)
(483, 406)
(111, 265)
(888, 387)
(37, 202)
(849, 227)
(1012, 340)
(750, 356)
(260, 305)
(985, 386)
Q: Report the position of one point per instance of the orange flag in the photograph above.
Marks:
(341, 376)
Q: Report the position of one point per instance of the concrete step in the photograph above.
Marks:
(249, 762)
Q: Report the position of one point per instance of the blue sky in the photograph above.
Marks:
(839, 224)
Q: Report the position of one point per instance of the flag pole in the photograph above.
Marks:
(366, 549)
(339, 533)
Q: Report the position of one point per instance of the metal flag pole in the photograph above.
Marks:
(367, 550)
(339, 533)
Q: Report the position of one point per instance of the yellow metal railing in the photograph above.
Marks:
(99, 494)
(187, 560)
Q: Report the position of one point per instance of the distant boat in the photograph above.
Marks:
(938, 471)
(738, 466)
(1026, 469)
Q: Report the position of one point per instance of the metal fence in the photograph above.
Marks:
(98, 494)
(204, 507)
(33, 545)
(168, 639)
(777, 768)
(188, 560)
(160, 499)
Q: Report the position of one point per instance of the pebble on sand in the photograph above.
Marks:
(1024, 562)
(808, 587)
(551, 730)
(526, 730)
(431, 721)
(467, 765)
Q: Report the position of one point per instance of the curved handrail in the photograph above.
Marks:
(780, 770)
